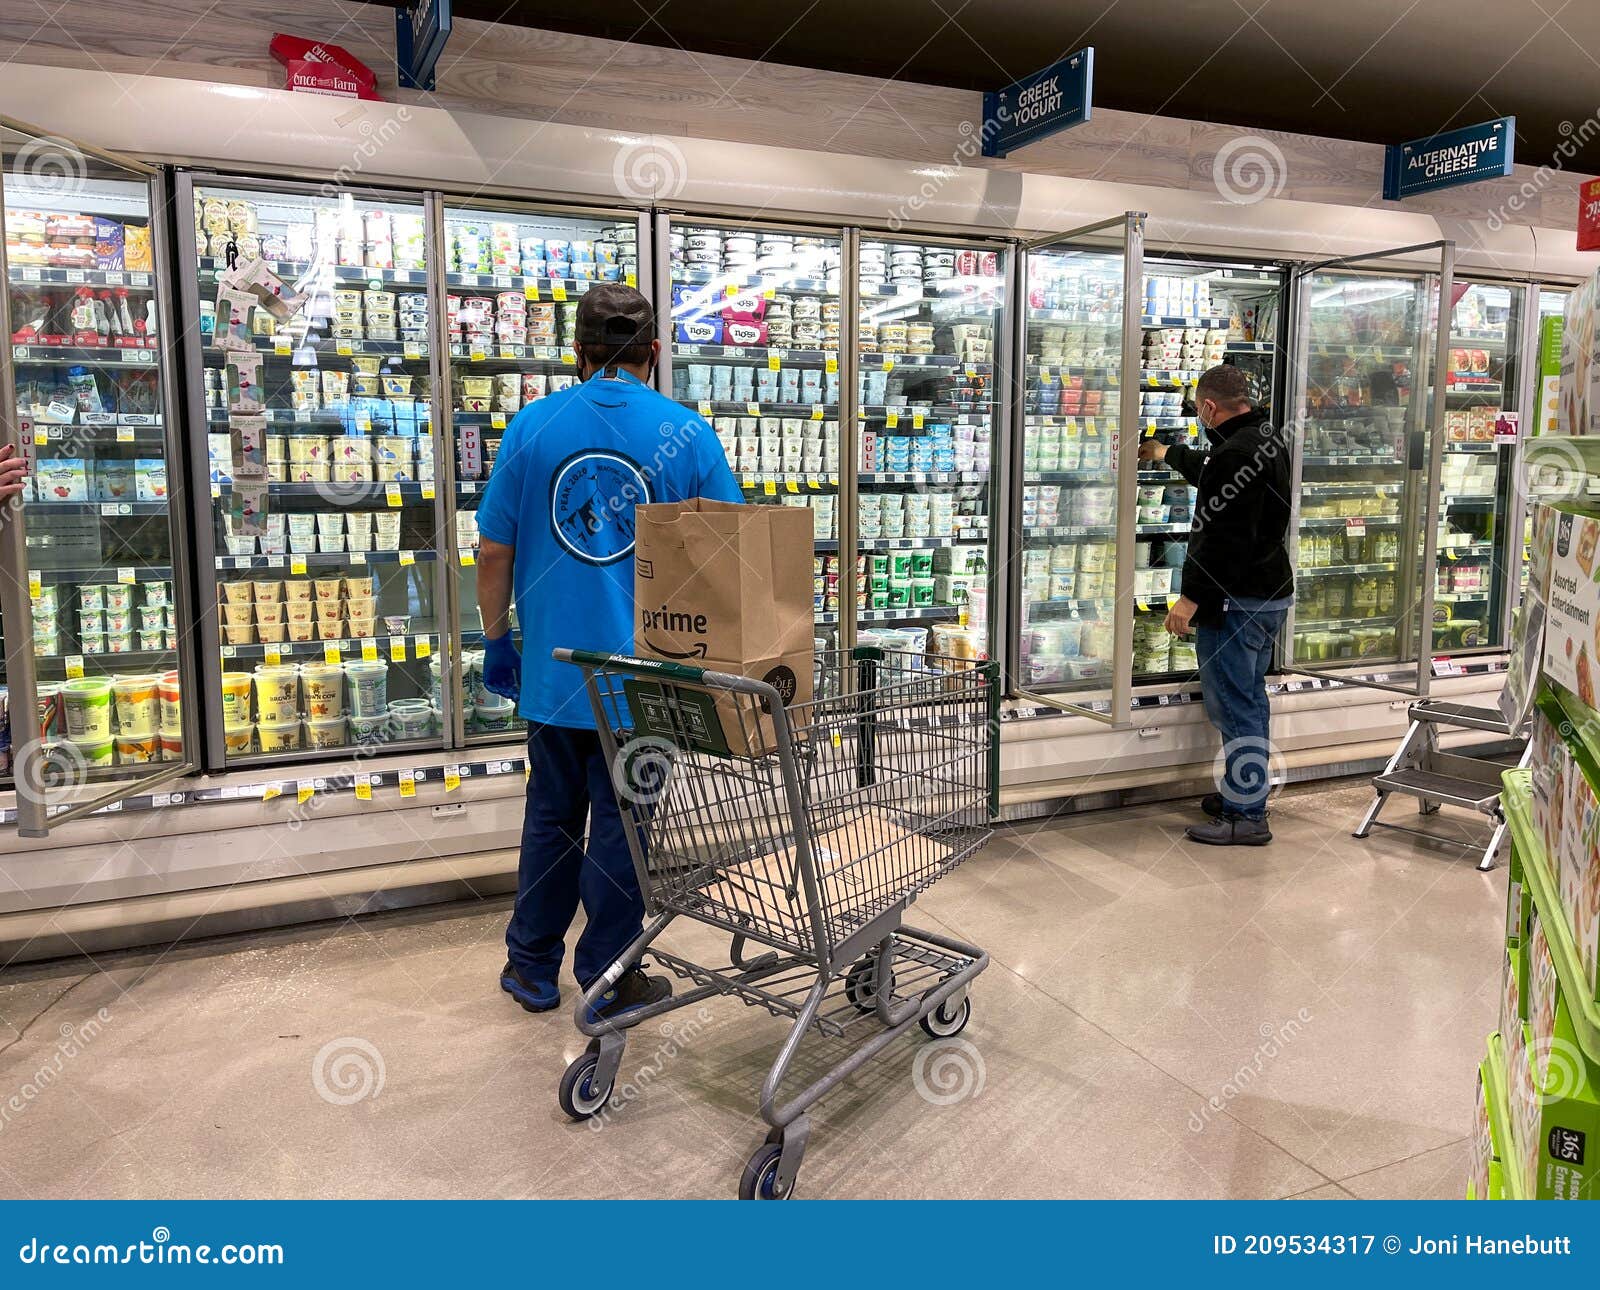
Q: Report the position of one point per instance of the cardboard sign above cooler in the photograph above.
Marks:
(1445, 160)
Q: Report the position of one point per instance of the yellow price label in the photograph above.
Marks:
(769, 293)
(888, 364)
(891, 420)
(216, 490)
(813, 482)
(497, 420)
(508, 351)
(364, 788)
(369, 650)
(422, 645)
(818, 411)
(344, 349)
(408, 557)
(427, 491)
(793, 485)
(397, 649)
(408, 783)
(331, 653)
(569, 358)
(831, 363)
(631, 278)
(127, 576)
(270, 791)
(272, 655)
(391, 493)
(41, 438)
(304, 792)
(770, 487)
(477, 353)
(971, 371)
(75, 667)
(35, 586)
(916, 420)
(413, 349)
(297, 564)
(281, 346)
(752, 409)
(452, 778)
(558, 292)
(1144, 607)
(468, 557)
(531, 291)
(703, 407)
(774, 362)
(124, 434)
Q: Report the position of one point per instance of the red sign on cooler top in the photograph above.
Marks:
(1589, 215)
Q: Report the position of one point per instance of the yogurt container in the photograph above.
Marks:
(169, 744)
(369, 688)
(323, 685)
(278, 736)
(371, 730)
(277, 694)
(325, 732)
(138, 704)
(94, 752)
(136, 750)
(86, 708)
(413, 718)
(237, 738)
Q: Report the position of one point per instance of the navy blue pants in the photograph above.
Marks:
(1233, 660)
(570, 781)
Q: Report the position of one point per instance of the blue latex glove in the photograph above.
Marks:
(502, 667)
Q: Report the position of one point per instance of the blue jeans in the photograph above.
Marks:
(1234, 659)
(570, 780)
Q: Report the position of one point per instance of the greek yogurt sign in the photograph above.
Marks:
(1053, 99)
(1461, 156)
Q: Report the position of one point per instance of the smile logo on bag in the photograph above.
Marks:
(591, 505)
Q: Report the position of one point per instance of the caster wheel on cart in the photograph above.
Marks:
(577, 1095)
(861, 984)
(760, 1178)
(948, 1019)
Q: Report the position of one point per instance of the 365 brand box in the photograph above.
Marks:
(1567, 1152)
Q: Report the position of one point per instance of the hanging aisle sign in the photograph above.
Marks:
(421, 29)
(1056, 98)
(1589, 215)
(1461, 156)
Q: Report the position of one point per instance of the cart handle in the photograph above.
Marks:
(626, 662)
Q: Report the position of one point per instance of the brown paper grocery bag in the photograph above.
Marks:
(728, 587)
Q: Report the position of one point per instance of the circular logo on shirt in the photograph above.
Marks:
(591, 505)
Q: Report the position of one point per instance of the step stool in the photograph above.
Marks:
(1421, 769)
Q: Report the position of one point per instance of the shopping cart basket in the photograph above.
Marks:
(807, 830)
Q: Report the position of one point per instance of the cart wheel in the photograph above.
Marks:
(577, 1095)
(861, 984)
(948, 1019)
(760, 1178)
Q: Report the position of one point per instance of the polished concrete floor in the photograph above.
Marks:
(1159, 1019)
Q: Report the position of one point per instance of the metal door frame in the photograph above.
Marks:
(1125, 461)
(35, 814)
(1426, 377)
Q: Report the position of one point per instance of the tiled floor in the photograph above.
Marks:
(1159, 1019)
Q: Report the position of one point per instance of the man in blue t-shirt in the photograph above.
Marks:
(556, 525)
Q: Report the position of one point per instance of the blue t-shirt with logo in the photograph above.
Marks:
(571, 468)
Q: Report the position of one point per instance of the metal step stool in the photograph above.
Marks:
(1421, 769)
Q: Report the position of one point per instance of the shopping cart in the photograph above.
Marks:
(805, 830)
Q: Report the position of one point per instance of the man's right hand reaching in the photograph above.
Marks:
(502, 667)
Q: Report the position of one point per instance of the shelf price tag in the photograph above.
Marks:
(569, 358)
(497, 420)
(127, 576)
(369, 650)
(468, 557)
(391, 494)
(813, 482)
(364, 788)
(703, 407)
(793, 485)
(558, 292)
(281, 345)
(412, 349)
(509, 351)
(270, 791)
(1355, 527)
(818, 411)
(831, 363)
(344, 349)
(397, 649)
(408, 783)
(477, 353)
(769, 487)
(422, 646)
(331, 653)
(408, 557)
(427, 491)
(297, 564)
(775, 361)
(272, 655)
(452, 778)
(531, 290)
(75, 667)
(631, 278)
(752, 409)
(41, 437)
(358, 557)
(304, 791)
(124, 434)
(891, 420)
(916, 420)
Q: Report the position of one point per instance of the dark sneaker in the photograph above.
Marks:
(633, 990)
(1213, 806)
(1232, 831)
(534, 996)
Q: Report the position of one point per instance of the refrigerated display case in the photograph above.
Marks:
(93, 563)
(1368, 469)
(1475, 560)
(930, 340)
(314, 371)
(513, 276)
(1079, 333)
(756, 330)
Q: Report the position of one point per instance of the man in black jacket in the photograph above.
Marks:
(1237, 586)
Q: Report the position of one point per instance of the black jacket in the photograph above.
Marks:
(1241, 514)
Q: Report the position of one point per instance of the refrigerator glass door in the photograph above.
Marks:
(929, 321)
(92, 558)
(1485, 371)
(314, 376)
(755, 338)
(512, 279)
(1368, 476)
(1074, 523)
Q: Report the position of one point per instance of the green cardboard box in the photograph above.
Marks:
(1567, 1153)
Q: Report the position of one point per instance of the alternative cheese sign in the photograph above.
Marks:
(1461, 156)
